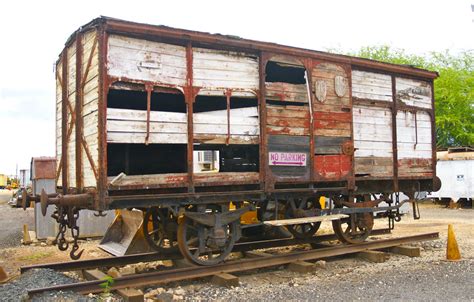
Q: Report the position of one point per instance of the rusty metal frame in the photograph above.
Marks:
(79, 122)
(64, 121)
(394, 134)
(190, 96)
(102, 119)
(264, 169)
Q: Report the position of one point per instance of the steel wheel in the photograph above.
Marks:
(295, 209)
(353, 229)
(196, 243)
(159, 229)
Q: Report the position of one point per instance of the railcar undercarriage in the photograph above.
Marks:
(205, 232)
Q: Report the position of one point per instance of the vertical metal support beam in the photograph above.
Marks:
(228, 94)
(189, 97)
(394, 134)
(64, 122)
(308, 64)
(433, 132)
(78, 111)
(263, 122)
(149, 89)
(351, 180)
(102, 112)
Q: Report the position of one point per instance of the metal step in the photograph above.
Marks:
(305, 220)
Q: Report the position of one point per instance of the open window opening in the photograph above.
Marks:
(139, 143)
(226, 134)
(226, 158)
(141, 159)
(284, 73)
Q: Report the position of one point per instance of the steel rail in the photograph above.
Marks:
(194, 272)
(155, 256)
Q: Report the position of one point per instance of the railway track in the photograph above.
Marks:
(155, 256)
(193, 272)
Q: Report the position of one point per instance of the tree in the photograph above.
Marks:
(454, 89)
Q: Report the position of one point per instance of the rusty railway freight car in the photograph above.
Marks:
(199, 129)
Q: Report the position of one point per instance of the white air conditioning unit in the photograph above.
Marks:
(206, 161)
(205, 157)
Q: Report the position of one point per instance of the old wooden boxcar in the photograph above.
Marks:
(184, 122)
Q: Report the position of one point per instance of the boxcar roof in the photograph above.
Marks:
(145, 31)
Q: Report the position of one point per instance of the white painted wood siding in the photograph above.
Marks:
(59, 68)
(372, 86)
(414, 92)
(139, 59)
(129, 126)
(90, 106)
(224, 69)
(89, 110)
(372, 131)
(71, 80)
(406, 135)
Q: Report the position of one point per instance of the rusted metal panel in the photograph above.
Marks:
(43, 168)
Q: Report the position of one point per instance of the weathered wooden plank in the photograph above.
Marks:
(285, 140)
(319, 124)
(374, 166)
(413, 92)
(282, 112)
(226, 177)
(287, 130)
(286, 92)
(220, 139)
(288, 122)
(146, 60)
(332, 132)
(332, 166)
(235, 112)
(333, 116)
(225, 69)
(175, 179)
(373, 86)
(139, 138)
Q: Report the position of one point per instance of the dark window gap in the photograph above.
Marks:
(137, 100)
(285, 103)
(279, 72)
(141, 159)
(235, 158)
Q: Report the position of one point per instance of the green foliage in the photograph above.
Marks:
(454, 89)
(107, 284)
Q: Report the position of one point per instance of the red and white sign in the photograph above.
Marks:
(287, 159)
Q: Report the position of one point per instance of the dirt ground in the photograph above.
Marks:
(355, 274)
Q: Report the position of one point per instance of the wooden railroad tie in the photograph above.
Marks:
(225, 279)
(373, 256)
(128, 294)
